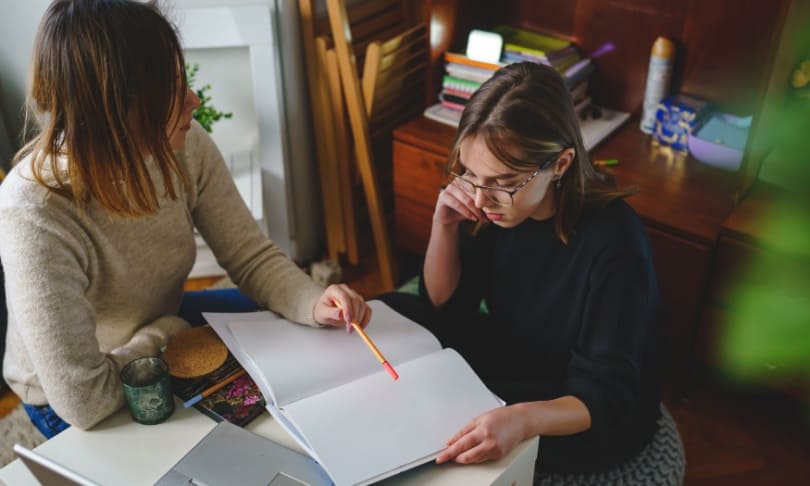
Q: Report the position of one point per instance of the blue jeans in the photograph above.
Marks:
(191, 308)
(219, 300)
(45, 419)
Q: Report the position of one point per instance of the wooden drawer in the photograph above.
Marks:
(412, 229)
(682, 268)
(730, 263)
(418, 174)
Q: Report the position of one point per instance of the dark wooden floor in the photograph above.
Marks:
(740, 437)
(732, 436)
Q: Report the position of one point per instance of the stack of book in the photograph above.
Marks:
(464, 75)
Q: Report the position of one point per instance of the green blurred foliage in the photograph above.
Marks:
(768, 330)
(206, 114)
(767, 335)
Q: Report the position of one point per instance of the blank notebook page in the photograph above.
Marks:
(371, 427)
(298, 361)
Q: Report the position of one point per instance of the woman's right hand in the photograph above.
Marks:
(454, 205)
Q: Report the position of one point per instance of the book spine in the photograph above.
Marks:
(459, 84)
(450, 98)
(462, 59)
(470, 73)
(452, 106)
(443, 114)
(466, 95)
(524, 50)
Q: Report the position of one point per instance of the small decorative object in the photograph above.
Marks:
(720, 140)
(800, 80)
(658, 79)
(484, 46)
(206, 114)
(675, 119)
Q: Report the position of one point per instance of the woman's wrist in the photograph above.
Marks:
(561, 416)
(444, 225)
(531, 418)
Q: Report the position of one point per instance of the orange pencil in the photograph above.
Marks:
(196, 398)
(372, 347)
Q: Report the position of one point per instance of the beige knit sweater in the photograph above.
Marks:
(89, 292)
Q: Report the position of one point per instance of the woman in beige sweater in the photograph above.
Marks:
(97, 217)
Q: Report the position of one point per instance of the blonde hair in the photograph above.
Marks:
(104, 83)
(525, 114)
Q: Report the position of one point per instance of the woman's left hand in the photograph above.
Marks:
(340, 305)
(489, 436)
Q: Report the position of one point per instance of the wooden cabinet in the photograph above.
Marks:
(742, 242)
(730, 53)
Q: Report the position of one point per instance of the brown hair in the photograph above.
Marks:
(526, 116)
(104, 83)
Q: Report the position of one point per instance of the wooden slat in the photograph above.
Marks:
(373, 27)
(321, 115)
(386, 80)
(328, 145)
(371, 70)
(410, 36)
(342, 159)
(358, 12)
(398, 98)
(401, 66)
(342, 35)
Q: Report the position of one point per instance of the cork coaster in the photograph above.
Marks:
(194, 352)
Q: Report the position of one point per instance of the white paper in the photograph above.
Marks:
(219, 323)
(369, 428)
(328, 390)
(297, 361)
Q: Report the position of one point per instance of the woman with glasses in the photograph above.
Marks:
(541, 276)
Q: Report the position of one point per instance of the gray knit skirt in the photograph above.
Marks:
(661, 462)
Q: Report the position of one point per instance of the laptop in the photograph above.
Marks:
(230, 455)
(227, 455)
(48, 472)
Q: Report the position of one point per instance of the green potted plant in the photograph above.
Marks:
(206, 114)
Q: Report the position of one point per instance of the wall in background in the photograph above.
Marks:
(18, 26)
(6, 146)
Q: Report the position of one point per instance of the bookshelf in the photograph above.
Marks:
(727, 54)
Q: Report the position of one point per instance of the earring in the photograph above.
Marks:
(559, 182)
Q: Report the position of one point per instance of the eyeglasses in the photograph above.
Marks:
(500, 196)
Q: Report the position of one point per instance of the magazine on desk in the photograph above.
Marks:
(330, 393)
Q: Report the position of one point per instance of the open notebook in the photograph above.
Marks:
(330, 393)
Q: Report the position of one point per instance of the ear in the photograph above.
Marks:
(563, 162)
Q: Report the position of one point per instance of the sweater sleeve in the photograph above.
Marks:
(46, 278)
(604, 370)
(256, 264)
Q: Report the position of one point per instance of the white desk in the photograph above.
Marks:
(121, 452)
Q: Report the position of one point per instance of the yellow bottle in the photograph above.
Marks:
(659, 76)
